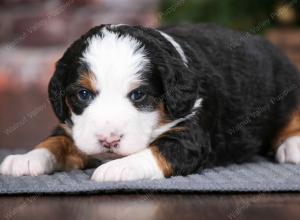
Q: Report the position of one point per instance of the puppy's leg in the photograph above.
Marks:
(179, 151)
(287, 145)
(57, 152)
(142, 165)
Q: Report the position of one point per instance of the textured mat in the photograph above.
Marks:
(258, 176)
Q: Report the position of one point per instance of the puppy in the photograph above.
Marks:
(171, 101)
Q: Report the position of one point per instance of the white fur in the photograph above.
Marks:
(169, 38)
(116, 63)
(197, 104)
(138, 166)
(34, 163)
(117, 25)
(176, 45)
(161, 129)
(289, 151)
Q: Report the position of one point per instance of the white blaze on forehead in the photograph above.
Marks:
(116, 61)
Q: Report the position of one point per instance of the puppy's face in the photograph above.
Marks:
(113, 105)
(113, 97)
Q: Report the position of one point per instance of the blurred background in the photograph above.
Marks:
(35, 33)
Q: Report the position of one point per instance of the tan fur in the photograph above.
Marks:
(291, 129)
(87, 80)
(67, 155)
(163, 117)
(163, 164)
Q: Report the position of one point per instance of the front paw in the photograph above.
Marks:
(34, 163)
(134, 167)
(289, 151)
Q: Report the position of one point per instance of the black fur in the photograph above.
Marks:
(59, 131)
(167, 68)
(249, 90)
(240, 80)
(67, 72)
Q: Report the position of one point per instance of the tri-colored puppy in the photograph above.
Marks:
(171, 101)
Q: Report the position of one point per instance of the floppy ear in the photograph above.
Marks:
(180, 89)
(57, 94)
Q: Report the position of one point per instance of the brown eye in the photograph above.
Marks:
(84, 95)
(137, 95)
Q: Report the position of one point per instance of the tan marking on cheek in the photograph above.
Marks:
(88, 81)
(65, 152)
(163, 164)
(163, 117)
(170, 131)
(291, 129)
(177, 129)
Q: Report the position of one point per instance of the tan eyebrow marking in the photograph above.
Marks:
(88, 81)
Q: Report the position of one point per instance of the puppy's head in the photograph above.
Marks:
(120, 87)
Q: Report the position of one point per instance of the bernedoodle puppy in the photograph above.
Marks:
(171, 101)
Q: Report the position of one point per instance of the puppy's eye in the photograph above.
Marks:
(84, 95)
(137, 95)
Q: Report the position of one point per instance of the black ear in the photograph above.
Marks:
(57, 94)
(180, 89)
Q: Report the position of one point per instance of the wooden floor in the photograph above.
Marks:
(153, 206)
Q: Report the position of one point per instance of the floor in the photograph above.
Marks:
(153, 206)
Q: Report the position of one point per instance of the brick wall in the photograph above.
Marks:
(56, 22)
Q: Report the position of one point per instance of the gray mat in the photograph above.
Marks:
(258, 176)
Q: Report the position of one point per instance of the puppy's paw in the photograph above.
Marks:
(134, 167)
(118, 170)
(34, 163)
(289, 151)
